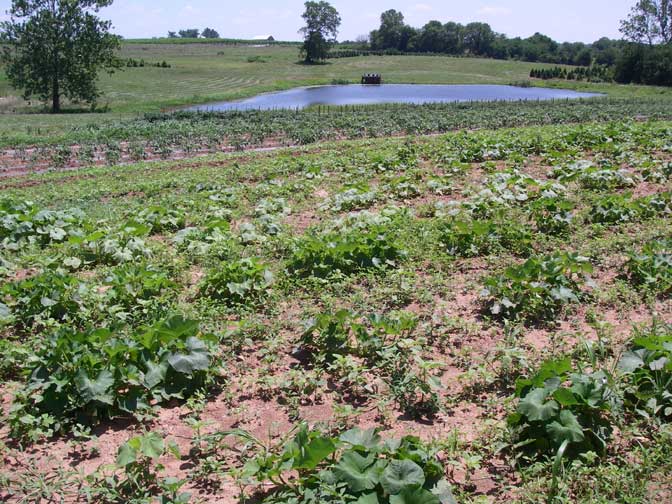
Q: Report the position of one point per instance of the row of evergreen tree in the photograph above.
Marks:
(593, 73)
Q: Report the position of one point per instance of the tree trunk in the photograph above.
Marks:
(56, 98)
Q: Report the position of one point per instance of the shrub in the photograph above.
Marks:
(652, 268)
(647, 366)
(562, 413)
(86, 377)
(345, 252)
(237, 283)
(538, 288)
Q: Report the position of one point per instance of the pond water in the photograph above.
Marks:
(356, 94)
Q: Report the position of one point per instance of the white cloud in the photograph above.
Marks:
(422, 7)
(494, 11)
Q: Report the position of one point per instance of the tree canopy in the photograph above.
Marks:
(650, 21)
(55, 48)
(209, 33)
(320, 32)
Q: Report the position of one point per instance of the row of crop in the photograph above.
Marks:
(184, 133)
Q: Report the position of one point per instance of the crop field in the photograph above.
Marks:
(478, 316)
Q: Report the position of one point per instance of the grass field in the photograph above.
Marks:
(203, 73)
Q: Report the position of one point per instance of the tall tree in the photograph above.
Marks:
(322, 23)
(55, 49)
(209, 33)
(189, 33)
(391, 32)
(650, 21)
(479, 38)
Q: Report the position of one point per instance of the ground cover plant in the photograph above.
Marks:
(478, 316)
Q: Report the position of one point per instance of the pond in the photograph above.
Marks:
(356, 94)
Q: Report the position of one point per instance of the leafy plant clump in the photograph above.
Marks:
(652, 268)
(47, 299)
(552, 216)
(537, 289)
(647, 366)
(386, 346)
(355, 467)
(238, 283)
(463, 238)
(86, 377)
(22, 224)
(562, 413)
(345, 252)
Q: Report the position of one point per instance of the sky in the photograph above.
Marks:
(565, 20)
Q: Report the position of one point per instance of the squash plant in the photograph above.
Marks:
(462, 238)
(647, 367)
(538, 288)
(238, 282)
(323, 255)
(86, 377)
(358, 467)
(652, 268)
(561, 412)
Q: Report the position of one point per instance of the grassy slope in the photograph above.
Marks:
(208, 72)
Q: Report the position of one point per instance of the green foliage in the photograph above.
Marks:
(652, 268)
(355, 467)
(483, 237)
(322, 22)
(647, 367)
(55, 49)
(138, 292)
(553, 216)
(345, 252)
(43, 300)
(90, 376)
(24, 223)
(385, 345)
(537, 289)
(106, 246)
(136, 476)
(561, 412)
(241, 282)
(620, 208)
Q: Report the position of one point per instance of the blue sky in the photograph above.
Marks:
(566, 20)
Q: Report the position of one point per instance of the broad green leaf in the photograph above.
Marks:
(126, 455)
(631, 361)
(444, 492)
(401, 474)
(535, 407)
(414, 496)
(356, 471)
(371, 498)
(152, 445)
(197, 360)
(95, 390)
(358, 438)
(311, 454)
(566, 428)
(156, 373)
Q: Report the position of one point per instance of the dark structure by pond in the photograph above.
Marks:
(372, 79)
